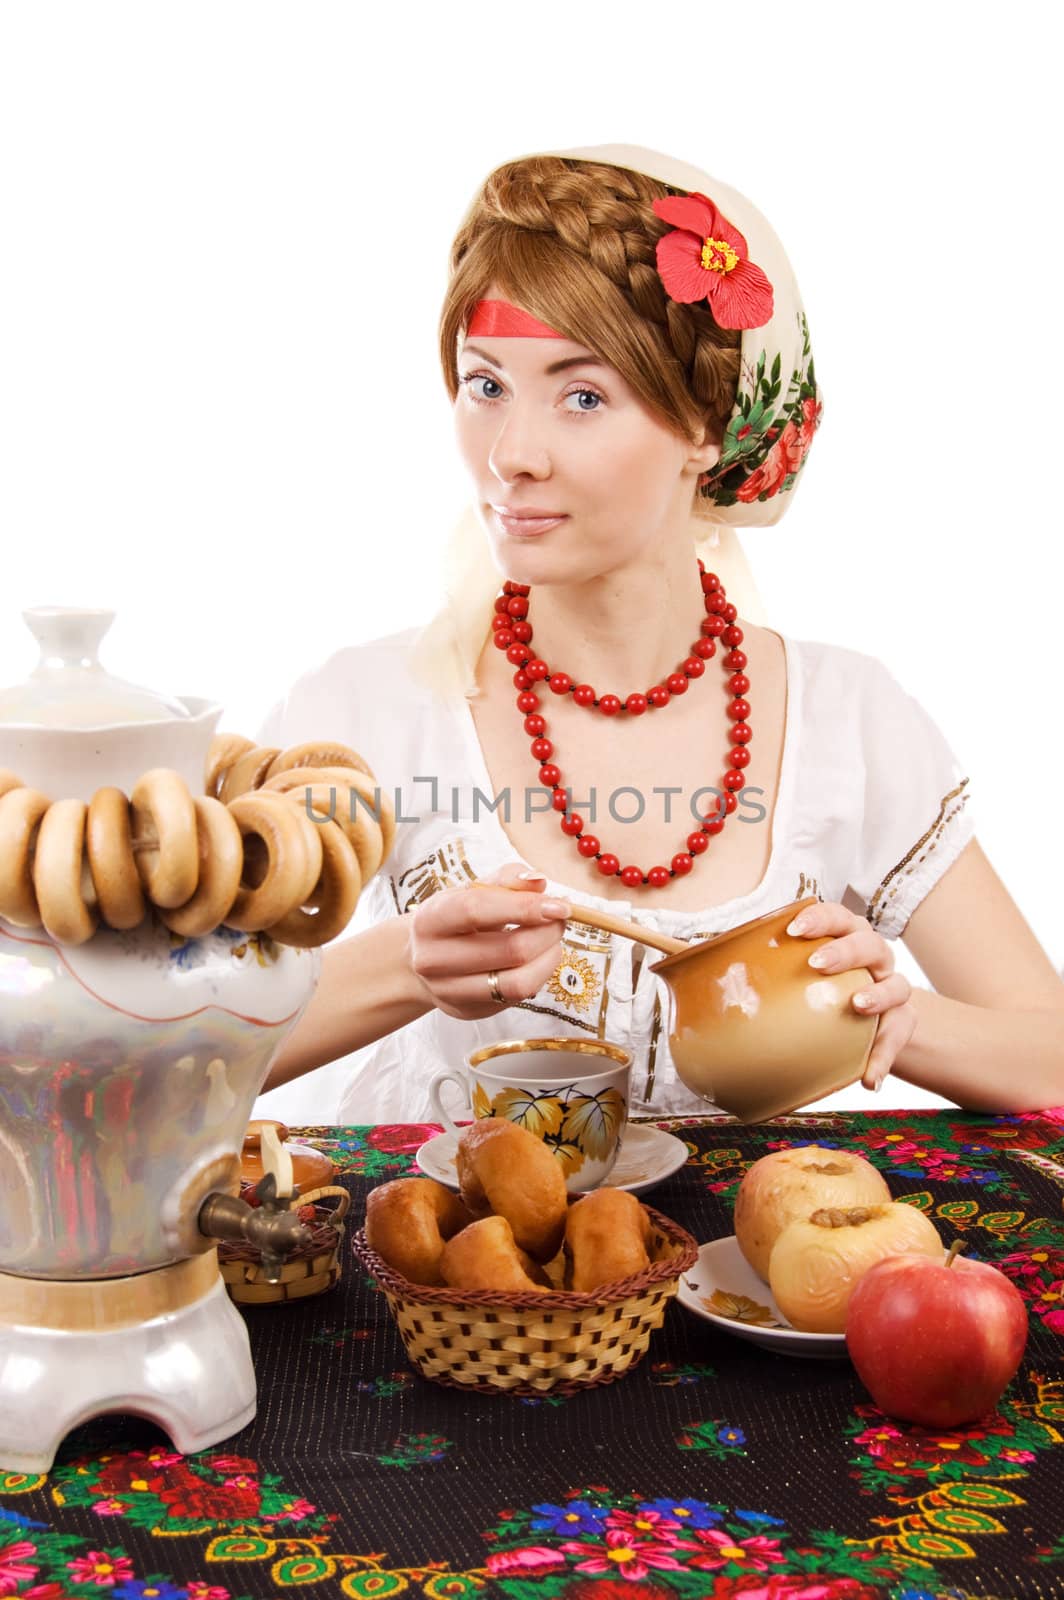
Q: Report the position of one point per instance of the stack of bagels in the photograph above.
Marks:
(281, 842)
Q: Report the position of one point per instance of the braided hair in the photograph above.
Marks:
(573, 243)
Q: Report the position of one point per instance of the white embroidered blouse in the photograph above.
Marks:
(871, 810)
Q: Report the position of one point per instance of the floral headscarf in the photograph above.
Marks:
(768, 434)
(778, 404)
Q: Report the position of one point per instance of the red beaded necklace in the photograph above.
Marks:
(513, 633)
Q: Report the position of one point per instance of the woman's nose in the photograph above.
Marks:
(518, 447)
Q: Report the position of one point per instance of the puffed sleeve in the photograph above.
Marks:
(361, 696)
(916, 819)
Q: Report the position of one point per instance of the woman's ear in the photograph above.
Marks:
(705, 455)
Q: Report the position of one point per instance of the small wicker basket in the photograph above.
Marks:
(528, 1344)
(313, 1268)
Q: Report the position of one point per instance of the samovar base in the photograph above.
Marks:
(168, 1345)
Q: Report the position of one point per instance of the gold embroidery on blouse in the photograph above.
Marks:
(446, 868)
(588, 953)
(878, 905)
(574, 983)
(652, 1051)
(806, 886)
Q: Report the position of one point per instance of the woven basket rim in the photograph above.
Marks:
(659, 1272)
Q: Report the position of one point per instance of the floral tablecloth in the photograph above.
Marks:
(715, 1469)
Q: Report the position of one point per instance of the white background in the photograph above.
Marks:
(225, 235)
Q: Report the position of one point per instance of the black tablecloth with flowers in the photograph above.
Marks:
(714, 1469)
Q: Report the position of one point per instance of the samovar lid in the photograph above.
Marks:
(69, 688)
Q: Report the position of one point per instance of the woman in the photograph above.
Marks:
(629, 363)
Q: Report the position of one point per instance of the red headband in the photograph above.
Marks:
(504, 321)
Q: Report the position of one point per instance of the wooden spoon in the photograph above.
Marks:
(608, 923)
(590, 917)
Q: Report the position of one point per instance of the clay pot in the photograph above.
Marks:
(758, 1031)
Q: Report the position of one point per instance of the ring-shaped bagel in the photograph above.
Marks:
(326, 811)
(292, 866)
(408, 1222)
(59, 872)
(21, 813)
(246, 773)
(311, 828)
(505, 1169)
(330, 795)
(335, 896)
(109, 845)
(369, 788)
(225, 748)
(163, 826)
(361, 814)
(221, 862)
(318, 753)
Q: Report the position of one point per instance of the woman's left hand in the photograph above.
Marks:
(854, 944)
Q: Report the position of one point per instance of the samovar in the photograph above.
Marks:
(129, 1064)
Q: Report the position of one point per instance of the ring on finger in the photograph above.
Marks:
(496, 993)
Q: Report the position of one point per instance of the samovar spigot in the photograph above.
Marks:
(270, 1226)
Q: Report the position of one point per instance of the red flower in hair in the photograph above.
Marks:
(706, 258)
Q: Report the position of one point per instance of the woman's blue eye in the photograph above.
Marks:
(470, 379)
(478, 377)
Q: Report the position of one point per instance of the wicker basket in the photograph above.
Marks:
(311, 1270)
(530, 1343)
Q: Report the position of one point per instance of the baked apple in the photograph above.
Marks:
(818, 1261)
(790, 1184)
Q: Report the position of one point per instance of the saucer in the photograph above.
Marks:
(723, 1288)
(646, 1158)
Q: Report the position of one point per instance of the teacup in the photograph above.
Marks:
(571, 1093)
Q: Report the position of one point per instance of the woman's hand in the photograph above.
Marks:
(475, 951)
(855, 945)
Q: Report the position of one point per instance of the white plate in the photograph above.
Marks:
(646, 1158)
(722, 1269)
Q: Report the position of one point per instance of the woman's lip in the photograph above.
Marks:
(525, 527)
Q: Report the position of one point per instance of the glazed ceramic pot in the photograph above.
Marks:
(754, 1028)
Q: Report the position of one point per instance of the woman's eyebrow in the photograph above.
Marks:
(555, 366)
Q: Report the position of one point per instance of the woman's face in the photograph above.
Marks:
(544, 425)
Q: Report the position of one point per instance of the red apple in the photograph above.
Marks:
(936, 1342)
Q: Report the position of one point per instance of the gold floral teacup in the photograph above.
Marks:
(571, 1093)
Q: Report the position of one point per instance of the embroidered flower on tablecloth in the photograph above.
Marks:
(757, 1553)
(97, 1567)
(623, 1552)
(689, 1513)
(401, 1138)
(14, 1567)
(530, 1561)
(577, 1516)
(706, 258)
